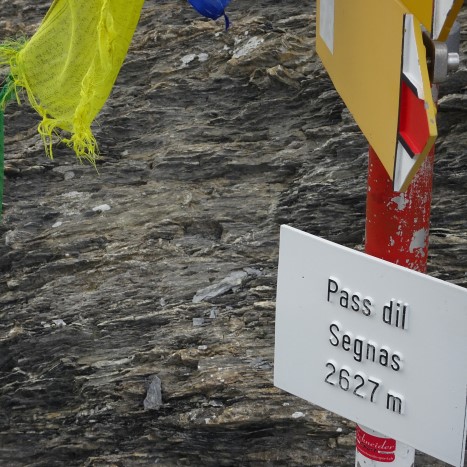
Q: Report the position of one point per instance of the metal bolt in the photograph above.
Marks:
(453, 61)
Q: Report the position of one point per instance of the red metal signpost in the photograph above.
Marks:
(397, 224)
(397, 228)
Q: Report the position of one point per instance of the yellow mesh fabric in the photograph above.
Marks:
(70, 64)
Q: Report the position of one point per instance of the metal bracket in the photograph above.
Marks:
(440, 59)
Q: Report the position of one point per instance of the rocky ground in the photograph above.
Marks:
(159, 270)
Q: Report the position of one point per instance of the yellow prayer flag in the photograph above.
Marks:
(70, 64)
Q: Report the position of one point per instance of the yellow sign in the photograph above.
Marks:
(422, 10)
(376, 59)
(437, 16)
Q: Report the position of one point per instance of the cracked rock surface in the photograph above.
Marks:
(137, 303)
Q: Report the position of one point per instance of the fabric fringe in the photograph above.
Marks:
(82, 140)
(8, 54)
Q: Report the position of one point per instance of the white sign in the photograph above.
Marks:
(376, 343)
(326, 23)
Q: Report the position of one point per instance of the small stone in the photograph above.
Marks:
(347, 440)
(10, 170)
(101, 208)
(248, 47)
(298, 415)
(216, 403)
(232, 281)
(198, 321)
(153, 400)
(265, 305)
(12, 284)
(72, 194)
(332, 443)
(253, 272)
(186, 59)
(15, 331)
(59, 323)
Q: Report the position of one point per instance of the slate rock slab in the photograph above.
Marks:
(209, 142)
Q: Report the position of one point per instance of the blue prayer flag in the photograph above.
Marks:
(211, 9)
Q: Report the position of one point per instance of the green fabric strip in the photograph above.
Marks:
(5, 95)
(2, 162)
